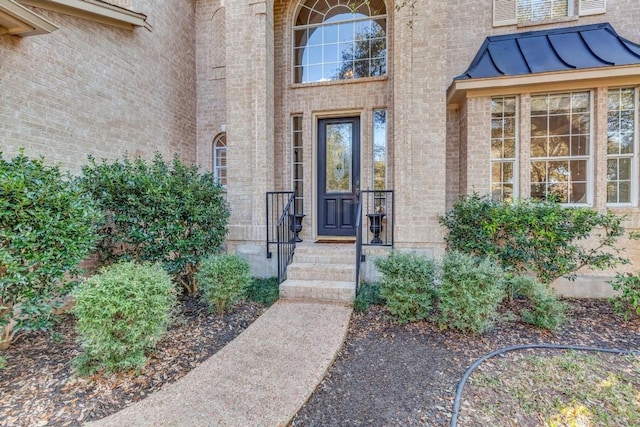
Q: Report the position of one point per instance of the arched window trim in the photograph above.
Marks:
(219, 159)
(321, 18)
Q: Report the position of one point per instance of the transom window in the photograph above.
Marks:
(339, 40)
(560, 146)
(621, 135)
(220, 159)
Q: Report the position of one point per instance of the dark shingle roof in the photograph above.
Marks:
(587, 46)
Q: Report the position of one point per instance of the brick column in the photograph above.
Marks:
(250, 135)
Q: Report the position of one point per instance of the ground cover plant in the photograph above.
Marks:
(158, 212)
(48, 226)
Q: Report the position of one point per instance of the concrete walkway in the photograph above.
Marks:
(261, 378)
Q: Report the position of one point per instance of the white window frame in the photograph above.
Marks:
(634, 158)
(516, 159)
(217, 169)
(590, 158)
(505, 12)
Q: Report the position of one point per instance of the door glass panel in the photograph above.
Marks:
(339, 152)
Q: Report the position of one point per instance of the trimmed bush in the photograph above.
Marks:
(627, 302)
(123, 312)
(49, 226)
(156, 212)
(264, 290)
(540, 237)
(471, 292)
(547, 311)
(368, 295)
(407, 285)
(224, 280)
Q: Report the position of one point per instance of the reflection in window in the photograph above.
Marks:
(503, 147)
(380, 158)
(338, 39)
(621, 126)
(220, 159)
(297, 161)
(540, 10)
(560, 139)
(339, 158)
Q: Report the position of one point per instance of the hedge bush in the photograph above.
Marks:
(48, 227)
(224, 280)
(265, 291)
(546, 311)
(540, 237)
(627, 302)
(158, 212)
(122, 312)
(471, 292)
(408, 285)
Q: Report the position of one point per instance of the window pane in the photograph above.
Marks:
(379, 149)
(503, 146)
(621, 128)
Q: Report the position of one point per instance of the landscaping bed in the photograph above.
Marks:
(38, 385)
(387, 374)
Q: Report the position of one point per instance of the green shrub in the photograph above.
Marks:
(48, 228)
(224, 280)
(627, 302)
(157, 212)
(541, 237)
(547, 311)
(407, 285)
(122, 313)
(471, 292)
(368, 295)
(263, 290)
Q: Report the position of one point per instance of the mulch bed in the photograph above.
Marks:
(386, 374)
(392, 375)
(38, 386)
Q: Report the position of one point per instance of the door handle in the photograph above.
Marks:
(358, 190)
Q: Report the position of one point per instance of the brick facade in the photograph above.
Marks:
(213, 66)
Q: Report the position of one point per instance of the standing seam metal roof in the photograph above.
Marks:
(560, 49)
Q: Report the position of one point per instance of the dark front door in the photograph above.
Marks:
(338, 175)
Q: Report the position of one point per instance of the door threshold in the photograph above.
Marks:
(336, 239)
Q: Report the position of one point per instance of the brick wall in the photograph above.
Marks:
(92, 89)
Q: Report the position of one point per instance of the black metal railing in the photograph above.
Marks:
(281, 229)
(358, 243)
(378, 208)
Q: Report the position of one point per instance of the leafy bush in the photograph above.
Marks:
(224, 280)
(48, 227)
(471, 292)
(122, 313)
(627, 302)
(368, 295)
(407, 285)
(263, 290)
(544, 238)
(547, 311)
(157, 212)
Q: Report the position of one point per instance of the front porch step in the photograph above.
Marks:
(319, 290)
(321, 272)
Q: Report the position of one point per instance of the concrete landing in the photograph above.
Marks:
(261, 378)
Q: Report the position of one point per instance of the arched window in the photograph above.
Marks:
(220, 159)
(339, 39)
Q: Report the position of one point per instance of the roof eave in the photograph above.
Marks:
(20, 21)
(94, 10)
(550, 81)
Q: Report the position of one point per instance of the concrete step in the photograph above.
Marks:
(318, 290)
(322, 271)
(326, 249)
(326, 258)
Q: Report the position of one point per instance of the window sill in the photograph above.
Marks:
(339, 82)
(94, 10)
